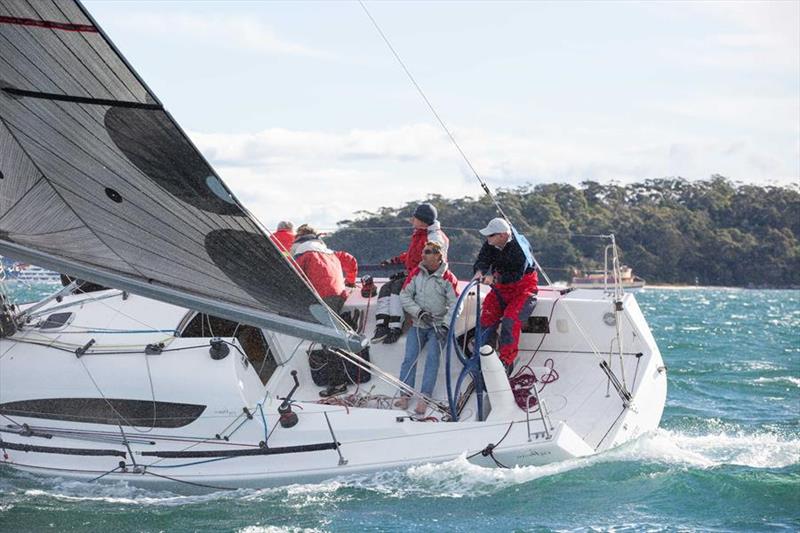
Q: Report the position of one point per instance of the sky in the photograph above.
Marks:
(306, 115)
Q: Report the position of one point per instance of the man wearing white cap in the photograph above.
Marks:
(503, 264)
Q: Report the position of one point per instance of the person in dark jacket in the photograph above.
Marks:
(503, 264)
(389, 309)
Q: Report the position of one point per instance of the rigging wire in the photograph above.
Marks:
(433, 110)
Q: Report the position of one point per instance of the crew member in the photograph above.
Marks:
(324, 269)
(284, 236)
(389, 309)
(429, 295)
(503, 264)
(328, 271)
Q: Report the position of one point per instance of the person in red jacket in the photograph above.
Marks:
(504, 264)
(283, 236)
(328, 272)
(389, 309)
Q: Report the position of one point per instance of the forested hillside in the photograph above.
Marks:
(669, 230)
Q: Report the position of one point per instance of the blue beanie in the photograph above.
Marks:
(426, 213)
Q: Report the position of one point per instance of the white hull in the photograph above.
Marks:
(587, 415)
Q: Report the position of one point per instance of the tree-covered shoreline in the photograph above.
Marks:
(670, 230)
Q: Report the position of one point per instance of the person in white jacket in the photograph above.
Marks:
(429, 295)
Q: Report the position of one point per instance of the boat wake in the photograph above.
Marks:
(674, 450)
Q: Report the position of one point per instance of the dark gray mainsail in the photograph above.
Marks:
(98, 181)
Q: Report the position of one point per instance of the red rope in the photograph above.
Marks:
(525, 379)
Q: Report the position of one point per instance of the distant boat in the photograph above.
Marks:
(605, 280)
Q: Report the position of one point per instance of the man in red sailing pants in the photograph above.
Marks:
(503, 264)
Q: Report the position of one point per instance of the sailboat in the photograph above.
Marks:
(197, 368)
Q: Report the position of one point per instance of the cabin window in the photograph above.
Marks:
(115, 412)
(251, 339)
(56, 320)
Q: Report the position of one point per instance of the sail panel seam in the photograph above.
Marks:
(166, 240)
(24, 194)
(52, 185)
(185, 213)
(69, 72)
(89, 70)
(98, 206)
(97, 52)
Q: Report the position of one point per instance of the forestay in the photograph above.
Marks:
(98, 181)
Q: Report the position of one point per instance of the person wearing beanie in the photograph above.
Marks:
(389, 309)
(503, 264)
(283, 236)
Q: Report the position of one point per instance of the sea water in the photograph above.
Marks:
(726, 458)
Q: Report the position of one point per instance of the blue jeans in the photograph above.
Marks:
(417, 338)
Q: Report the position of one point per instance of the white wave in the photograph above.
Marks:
(780, 379)
(120, 493)
(460, 478)
(756, 450)
(277, 529)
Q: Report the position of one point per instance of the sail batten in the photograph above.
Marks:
(80, 99)
(49, 24)
(99, 182)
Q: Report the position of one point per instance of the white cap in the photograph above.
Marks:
(496, 225)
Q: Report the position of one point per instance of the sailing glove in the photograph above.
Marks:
(426, 318)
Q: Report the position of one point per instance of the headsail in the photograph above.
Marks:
(98, 181)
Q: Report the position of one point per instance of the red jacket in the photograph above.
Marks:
(349, 266)
(283, 238)
(323, 268)
(412, 257)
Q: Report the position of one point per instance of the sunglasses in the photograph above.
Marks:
(429, 251)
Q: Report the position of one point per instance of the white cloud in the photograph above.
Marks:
(750, 112)
(220, 31)
(323, 177)
(760, 35)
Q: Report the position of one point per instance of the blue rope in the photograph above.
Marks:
(472, 365)
(264, 420)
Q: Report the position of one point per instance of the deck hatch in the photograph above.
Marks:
(536, 324)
